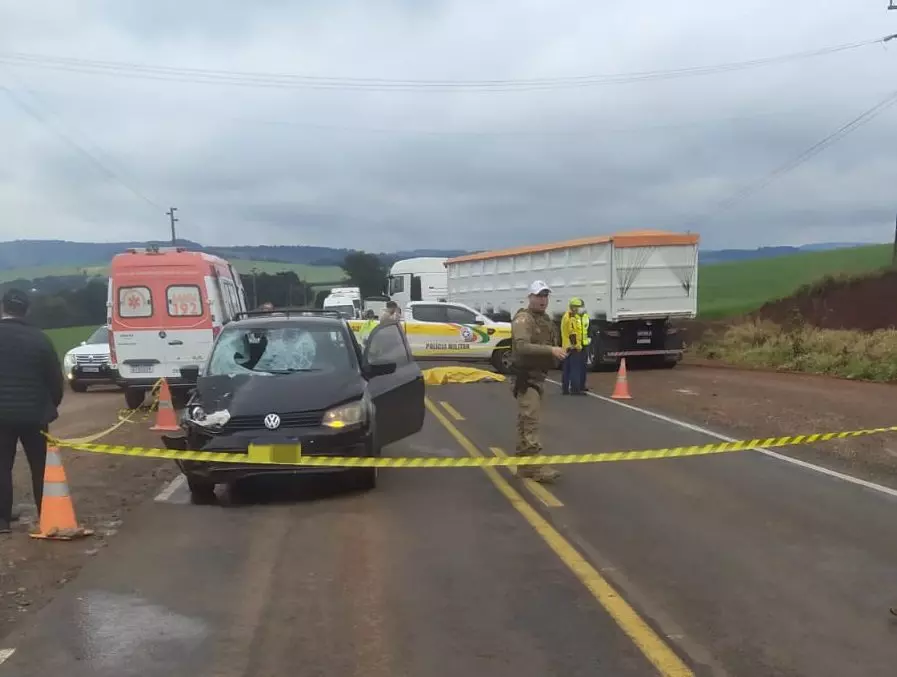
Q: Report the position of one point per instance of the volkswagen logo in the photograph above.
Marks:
(272, 421)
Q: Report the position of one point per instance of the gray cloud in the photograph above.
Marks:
(387, 170)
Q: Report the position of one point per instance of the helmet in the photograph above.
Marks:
(576, 301)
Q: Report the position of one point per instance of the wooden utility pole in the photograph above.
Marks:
(894, 251)
(174, 238)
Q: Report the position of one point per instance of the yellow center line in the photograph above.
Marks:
(454, 413)
(546, 497)
(658, 653)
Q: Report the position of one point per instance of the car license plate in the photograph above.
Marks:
(644, 340)
(275, 453)
(90, 370)
(142, 369)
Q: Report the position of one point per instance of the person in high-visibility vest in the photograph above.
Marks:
(586, 343)
(572, 340)
(370, 321)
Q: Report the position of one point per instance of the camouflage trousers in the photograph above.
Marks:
(529, 415)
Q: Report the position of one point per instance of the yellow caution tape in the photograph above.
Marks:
(292, 454)
(124, 416)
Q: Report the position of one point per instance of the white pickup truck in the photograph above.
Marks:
(454, 331)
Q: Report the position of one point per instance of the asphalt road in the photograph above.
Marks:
(733, 565)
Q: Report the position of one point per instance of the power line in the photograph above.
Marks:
(752, 188)
(90, 157)
(296, 81)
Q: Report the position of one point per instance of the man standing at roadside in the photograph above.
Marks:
(31, 387)
(573, 335)
(534, 351)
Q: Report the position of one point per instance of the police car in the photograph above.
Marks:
(439, 330)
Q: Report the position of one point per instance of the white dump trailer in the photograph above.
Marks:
(635, 286)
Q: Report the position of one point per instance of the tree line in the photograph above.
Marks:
(79, 300)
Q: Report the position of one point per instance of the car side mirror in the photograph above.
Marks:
(379, 369)
(480, 320)
(190, 374)
(83, 343)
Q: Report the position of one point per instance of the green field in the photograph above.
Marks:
(315, 275)
(730, 289)
(66, 339)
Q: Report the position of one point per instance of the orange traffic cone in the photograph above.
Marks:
(621, 389)
(57, 514)
(165, 417)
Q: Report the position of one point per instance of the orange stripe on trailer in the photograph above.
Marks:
(634, 238)
(653, 238)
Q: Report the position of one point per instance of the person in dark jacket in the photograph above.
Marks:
(31, 387)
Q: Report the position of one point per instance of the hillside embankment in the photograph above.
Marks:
(841, 326)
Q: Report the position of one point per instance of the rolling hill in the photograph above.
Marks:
(55, 254)
(731, 289)
(316, 275)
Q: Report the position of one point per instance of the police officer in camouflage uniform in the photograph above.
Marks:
(534, 351)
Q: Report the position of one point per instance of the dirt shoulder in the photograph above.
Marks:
(749, 404)
(103, 489)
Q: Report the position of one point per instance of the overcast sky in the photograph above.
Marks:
(91, 157)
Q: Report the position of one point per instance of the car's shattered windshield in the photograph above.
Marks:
(281, 350)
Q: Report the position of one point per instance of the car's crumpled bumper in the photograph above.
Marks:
(317, 441)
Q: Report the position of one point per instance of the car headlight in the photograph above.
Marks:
(213, 421)
(68, 361)
(346, 415)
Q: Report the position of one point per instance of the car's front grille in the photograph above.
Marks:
(91, 359)
(300, 419)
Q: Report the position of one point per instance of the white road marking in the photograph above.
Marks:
(725, 438)
(169, 490)
(5, 655)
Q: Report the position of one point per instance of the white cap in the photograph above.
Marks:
(538, 287)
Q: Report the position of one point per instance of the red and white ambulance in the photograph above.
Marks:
(166, 306)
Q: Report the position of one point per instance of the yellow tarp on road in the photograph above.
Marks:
(441, 375)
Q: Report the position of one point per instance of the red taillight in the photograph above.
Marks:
(112, 359)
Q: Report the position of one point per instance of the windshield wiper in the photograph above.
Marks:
(290, 371)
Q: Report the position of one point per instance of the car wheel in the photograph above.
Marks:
(367, 478)
(134, 397)
(202, 492)
(501, 360)
(78, 387)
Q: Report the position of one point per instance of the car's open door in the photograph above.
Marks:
(399, 395)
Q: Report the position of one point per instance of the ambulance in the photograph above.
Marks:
(439, 330)
(165, 308)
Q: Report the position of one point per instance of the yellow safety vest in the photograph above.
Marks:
(573, 324)
(366, 329)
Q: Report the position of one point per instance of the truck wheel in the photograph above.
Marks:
(595, 362)
(134, 397)
(501, 359)
(78, 387)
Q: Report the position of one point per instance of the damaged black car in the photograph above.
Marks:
(298, 378)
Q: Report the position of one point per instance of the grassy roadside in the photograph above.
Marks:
(846, 354)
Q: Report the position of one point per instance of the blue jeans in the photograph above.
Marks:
(573, 372)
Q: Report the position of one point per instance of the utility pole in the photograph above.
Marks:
(894, 251)
(174, 239)
(255, 288)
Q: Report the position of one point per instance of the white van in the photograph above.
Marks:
(165, 308)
